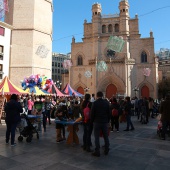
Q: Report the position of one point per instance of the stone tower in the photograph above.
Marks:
(124, 17)
(96, 28)
(32, 22)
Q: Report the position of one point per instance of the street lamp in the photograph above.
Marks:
(86, 89)
(135, 89)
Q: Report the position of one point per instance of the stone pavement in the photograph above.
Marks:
(138, 150)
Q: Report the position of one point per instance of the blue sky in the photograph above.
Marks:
(69, 15)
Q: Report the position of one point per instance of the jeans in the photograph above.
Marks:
(137, 112)
(48, 116)
(129, 122)
(115, 121)
(29, 112)
(44, 120)
(87, 135)
(11, 127)
(104, 128)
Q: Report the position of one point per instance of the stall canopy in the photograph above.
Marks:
(58, 92)
(37, 91)
(70, 91)
(8, 88)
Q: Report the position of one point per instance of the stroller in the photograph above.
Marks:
(159, 129)
(27, 129)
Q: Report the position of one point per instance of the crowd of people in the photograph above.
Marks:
(97, 114)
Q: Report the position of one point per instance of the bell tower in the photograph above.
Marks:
(31, 39)
(124, 17)
(96, 18)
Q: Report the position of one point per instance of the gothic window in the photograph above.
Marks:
(110, 29)
(143, 57)
(79, 61)
(103, 28)
(116, 27)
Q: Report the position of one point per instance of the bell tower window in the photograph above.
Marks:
(116, 27)
(103, 28)
(143, 57)
(79, 61)
(110, 28)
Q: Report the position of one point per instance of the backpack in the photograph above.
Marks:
(115, 112)
(86, 112)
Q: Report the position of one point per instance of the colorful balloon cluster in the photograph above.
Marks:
(36, 80)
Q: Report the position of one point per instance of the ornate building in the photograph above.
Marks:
(31, 40)
(124, 75)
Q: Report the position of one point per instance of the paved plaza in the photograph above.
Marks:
(134, 150)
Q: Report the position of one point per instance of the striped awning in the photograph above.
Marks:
(35, 90)
(8, 88)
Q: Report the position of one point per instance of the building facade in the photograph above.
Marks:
(125, 71)
(163, 56)
(5, 38)
(31, 40)
(57, 67)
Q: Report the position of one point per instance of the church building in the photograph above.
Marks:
(131, 72)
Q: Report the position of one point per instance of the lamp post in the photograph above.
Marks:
(135, 89)
(86, 89)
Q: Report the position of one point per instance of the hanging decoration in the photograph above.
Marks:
(41, 82)
(88, 74)
(146, 72)
(42, 51)
(101, 66)
(3, 7)
(115, 43)
(67, 64)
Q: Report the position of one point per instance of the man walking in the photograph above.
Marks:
(100, 117)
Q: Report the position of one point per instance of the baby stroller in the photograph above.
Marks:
(27, 129)
(159, 129)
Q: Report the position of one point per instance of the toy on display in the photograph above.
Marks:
(42, 82)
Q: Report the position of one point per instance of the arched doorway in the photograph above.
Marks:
(145, 92)
(111, 90)
(80, 90)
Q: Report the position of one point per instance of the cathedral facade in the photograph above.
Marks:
(126, 74)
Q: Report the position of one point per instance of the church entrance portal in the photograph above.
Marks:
(80, 90)
(145, 91)
(111, 90)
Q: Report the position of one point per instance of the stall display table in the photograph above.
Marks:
(72, 128)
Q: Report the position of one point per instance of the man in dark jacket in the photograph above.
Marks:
(100, 116)
(12, 109)
(165, 115)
